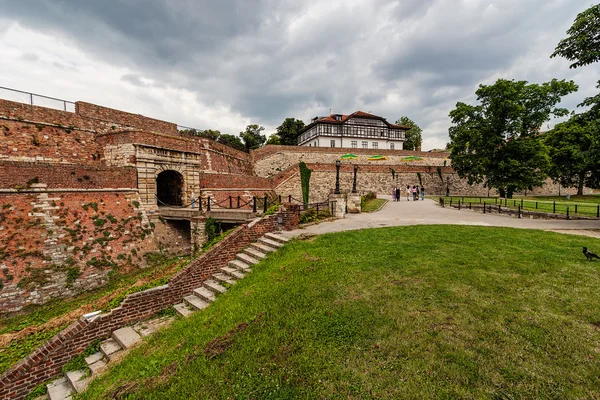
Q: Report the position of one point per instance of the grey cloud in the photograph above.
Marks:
(31, 57)
(245, 54)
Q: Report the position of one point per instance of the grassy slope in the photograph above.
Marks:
(372, 205)
(410, 312)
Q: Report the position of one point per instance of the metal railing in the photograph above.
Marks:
(34, 99)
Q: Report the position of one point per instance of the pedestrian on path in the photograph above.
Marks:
(394, 194)
(398, 193)
(407, 192)
(422, 193)
(414, 193)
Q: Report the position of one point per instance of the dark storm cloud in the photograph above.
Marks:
(268, 60)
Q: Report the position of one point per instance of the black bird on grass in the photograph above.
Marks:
(589, 255)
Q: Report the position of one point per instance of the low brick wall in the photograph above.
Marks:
(47, 361)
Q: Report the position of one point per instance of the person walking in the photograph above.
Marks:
(407, 192)
(414, 193)
(422, 193)
(398, 193)
(393, 194)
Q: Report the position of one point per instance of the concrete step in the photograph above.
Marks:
(126, 337)
(214, 286)
(195, 302)
(233, 272)
(147, 328)
(239, 265)
(110, 347)
(183, 309)
(246, 258)
(224, 279)
(79, 380)
(276, 237)
(60, 389)
(252, 252)
(262, 248)
(96, 362)
(204, 294)
(270, 242)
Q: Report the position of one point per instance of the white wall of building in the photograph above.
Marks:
(347, 142)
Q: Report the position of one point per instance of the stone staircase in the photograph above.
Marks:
(125, 338)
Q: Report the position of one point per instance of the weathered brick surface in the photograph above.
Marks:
(20, 175)
(48, 360)
(44, 235)
(93, 111)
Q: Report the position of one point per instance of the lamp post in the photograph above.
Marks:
(337, 177)
(354, 182)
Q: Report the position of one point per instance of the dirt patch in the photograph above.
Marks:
(309, 257)
(219, 345)
(124, 390)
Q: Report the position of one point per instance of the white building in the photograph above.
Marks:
(359, 130)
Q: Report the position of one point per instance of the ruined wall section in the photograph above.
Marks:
(57, 244)
(271, 160)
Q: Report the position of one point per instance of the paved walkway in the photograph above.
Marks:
(427, 212)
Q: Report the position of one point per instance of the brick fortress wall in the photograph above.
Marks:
(47, 361)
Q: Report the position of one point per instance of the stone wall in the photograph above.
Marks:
(47, 361)
(271, 160)
(57, 244)
(20, 175)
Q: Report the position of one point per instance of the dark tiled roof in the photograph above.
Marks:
(358, 114)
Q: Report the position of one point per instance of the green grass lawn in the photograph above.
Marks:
(408, 312)
(372, 205)
(578, 205)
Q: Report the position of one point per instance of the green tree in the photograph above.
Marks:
(208, 133)
(289, 130)
(413, 135)
(497, 142)
(252, 137)
(231, 141)
(582, 45)
(274, 139)
(571, 147)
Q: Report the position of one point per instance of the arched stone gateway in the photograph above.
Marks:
(169, 188)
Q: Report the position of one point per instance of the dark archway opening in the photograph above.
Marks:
(169, 188)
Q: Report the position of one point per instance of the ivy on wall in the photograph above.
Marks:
(305, 180)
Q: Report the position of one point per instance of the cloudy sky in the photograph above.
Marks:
(224, 64)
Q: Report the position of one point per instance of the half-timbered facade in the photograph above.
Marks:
(358, 130)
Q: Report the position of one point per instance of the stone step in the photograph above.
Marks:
(262, 248)
(60, 389)
(110, 347)
(276, 237)
(183, 310)
(270, 242)
(246, 258)
(96, 362)
(147, 328)
(204, 294)
(233, 272)
(214, 286)
(252, 252)
(195, 302)
(224, 278)
(126, 337)
(79, 380)
(239, 265)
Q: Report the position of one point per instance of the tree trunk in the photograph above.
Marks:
(580, 186)
(509, 192)
(502, 192)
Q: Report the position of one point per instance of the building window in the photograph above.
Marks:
(374, 145)
(354, 144)
(332, 143)
(365, 145)
(391, 146)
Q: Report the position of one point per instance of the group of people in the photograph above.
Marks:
(415, 190)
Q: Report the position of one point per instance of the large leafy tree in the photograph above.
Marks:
(582, 45)
(571, 147)
(274, 139)
(413, 135)
(231, 141)
(497, 142)
(207, 133)
(289, 130)
(252, 137)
